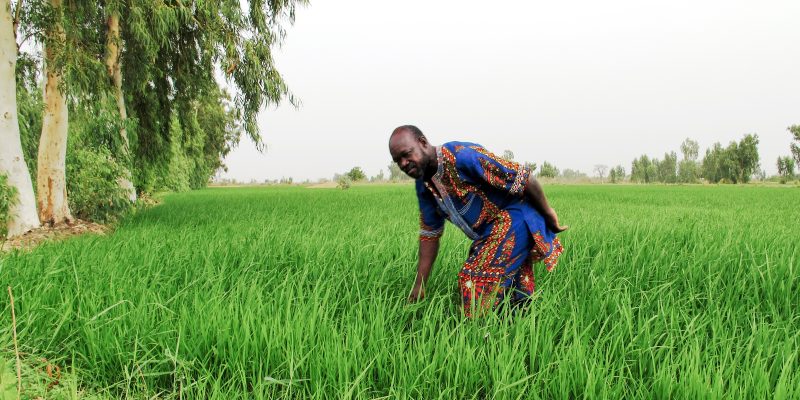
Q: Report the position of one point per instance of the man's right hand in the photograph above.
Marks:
(417, 294)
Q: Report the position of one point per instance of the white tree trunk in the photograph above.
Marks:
(23, 213)
(51, 180)
(114, 69)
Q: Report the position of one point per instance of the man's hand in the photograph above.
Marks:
(535, 195)
(551, 219)
(417, 294)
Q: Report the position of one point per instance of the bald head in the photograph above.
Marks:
(409, 129)
(411, 151)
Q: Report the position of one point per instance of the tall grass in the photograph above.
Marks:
(662, 292)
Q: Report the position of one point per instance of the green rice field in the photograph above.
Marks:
(685, 292)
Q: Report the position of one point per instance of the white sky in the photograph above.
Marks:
(576, 83)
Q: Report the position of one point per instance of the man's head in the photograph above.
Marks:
(411, 151)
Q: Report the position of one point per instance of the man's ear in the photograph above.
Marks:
(423, 140)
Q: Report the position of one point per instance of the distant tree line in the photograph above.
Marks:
(736, 163)
(786, 164)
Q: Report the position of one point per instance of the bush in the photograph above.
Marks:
(93, 186)
(344, 182)
(8, 195)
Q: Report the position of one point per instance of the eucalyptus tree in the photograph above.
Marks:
(795, 146)
(51, 181)
(114, 71)
(687, 168)
(22, 212)
(68, 33)
(176, 51)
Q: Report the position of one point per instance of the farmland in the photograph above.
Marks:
(288, 292)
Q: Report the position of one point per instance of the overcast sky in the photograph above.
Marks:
(576, 83)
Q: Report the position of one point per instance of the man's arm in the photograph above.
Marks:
(428, 249)
(535, 195)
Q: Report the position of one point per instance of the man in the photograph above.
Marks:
(496, 202)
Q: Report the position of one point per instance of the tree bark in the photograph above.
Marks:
(22, 216)
(114, 68)
(51, 181)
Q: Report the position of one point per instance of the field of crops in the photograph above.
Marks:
(288, 292)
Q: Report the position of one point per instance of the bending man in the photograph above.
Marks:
(497, 203)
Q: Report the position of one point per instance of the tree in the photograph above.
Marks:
(22, 212)
(379, 177)
(172, 54)
(343, 182)
(356, 174)
(572, 174)
(746, 158)
(530, 166)
(786, 168)
(397, 174)
(616, 174)
(735, 163)
(712, 163)
(667, 168)
(687, 167)
(548, 170)
(687, 171)
(51, 180)
(600, 170)
(652, 171)
(690, 149)
(643, 170)
(795, 147)
(114, 70)
(508, 155)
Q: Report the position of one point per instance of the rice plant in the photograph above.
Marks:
(288, 292)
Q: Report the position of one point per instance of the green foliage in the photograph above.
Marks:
(78, 55)
(172, 52)
(344, 182)
(735, 164)
(548, 170)
(572, 174)
(747, 158)
(95, 160)
(786, 168)
(176, 175)
(690, 149)
(8, 196)
(29, 108)
(92, 185)
(688, 171)
(508, 155)
(356, 174)
(530, 166)
(643, 170)
(397, 174)
(379, 177)
(616, 174)
(668, 168)
(795, 146)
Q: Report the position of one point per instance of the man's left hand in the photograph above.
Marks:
(551, 219)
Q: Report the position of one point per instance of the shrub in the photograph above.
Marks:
(8, 195)
(344, 182)
(93, 185)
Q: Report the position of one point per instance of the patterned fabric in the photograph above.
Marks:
(483, 195)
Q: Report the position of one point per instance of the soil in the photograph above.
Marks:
(55, 233)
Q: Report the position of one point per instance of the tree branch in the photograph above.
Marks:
(17, 13)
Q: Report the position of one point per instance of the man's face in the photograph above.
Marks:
(407, 151)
